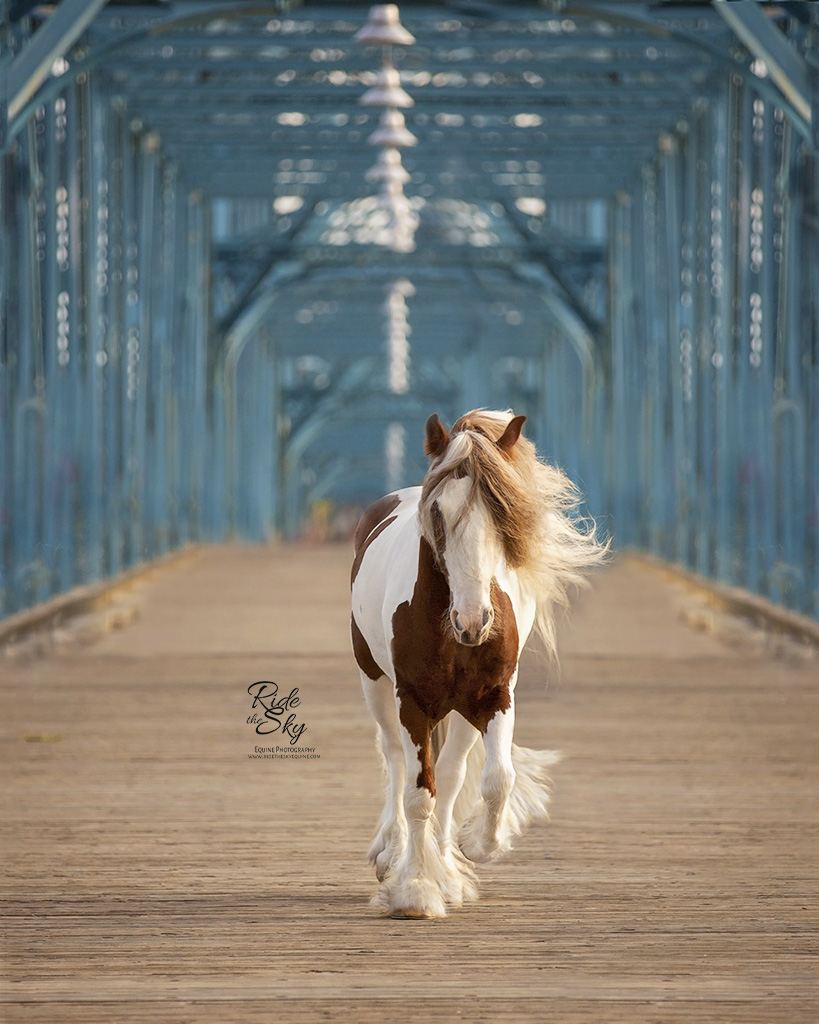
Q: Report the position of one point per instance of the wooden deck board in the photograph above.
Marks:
(154, 871)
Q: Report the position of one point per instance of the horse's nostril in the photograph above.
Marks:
(487, 615)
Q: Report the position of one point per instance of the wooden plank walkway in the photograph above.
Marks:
(155, 871)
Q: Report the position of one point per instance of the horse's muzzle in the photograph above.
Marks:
(472, 631)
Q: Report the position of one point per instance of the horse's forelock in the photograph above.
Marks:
(484, 421)
(498, 480)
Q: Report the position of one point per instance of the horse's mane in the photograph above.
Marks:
(533, 507)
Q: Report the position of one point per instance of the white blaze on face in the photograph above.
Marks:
(472, 555)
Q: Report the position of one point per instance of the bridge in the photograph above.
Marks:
(213, 324)
(247, 249)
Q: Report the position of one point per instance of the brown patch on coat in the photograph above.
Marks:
(362, 551)
(362, 653)
(417, 723)
(371, 525)
(435, 674)
(372, 516)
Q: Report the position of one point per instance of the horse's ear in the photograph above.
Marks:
(437, 437)
(509, 438)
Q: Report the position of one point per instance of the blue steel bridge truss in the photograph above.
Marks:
(617, 236)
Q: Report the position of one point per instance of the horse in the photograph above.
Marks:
(448, 581)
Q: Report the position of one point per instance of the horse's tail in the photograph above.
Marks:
(529, 801)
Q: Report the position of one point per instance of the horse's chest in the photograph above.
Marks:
(439, 675)
(472, 681)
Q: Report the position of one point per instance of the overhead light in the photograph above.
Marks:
(388, 168)
(393, 211)
(384, 28)
(387, 91)
(392, 131)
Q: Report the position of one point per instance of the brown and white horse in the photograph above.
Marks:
(448, 581)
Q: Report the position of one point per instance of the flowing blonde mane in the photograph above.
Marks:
(532, 505)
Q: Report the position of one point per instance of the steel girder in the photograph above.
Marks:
(699, 161)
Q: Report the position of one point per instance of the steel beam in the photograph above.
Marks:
(786, 68)
(33, 65)
(159, 94)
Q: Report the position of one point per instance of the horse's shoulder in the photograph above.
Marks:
(389, 507)
(373, 516)
(377, 518)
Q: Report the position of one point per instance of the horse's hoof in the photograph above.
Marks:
(479, 852)
(410, 914)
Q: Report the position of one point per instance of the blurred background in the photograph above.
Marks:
(247, 249)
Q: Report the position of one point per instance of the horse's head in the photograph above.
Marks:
(460, 514)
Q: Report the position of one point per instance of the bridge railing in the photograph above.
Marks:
(715, 351)
(103, 349)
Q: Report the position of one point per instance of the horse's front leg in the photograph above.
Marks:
(450, 775)
(418, 884)
(391, 836)
(451, 770)
(487, 834)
